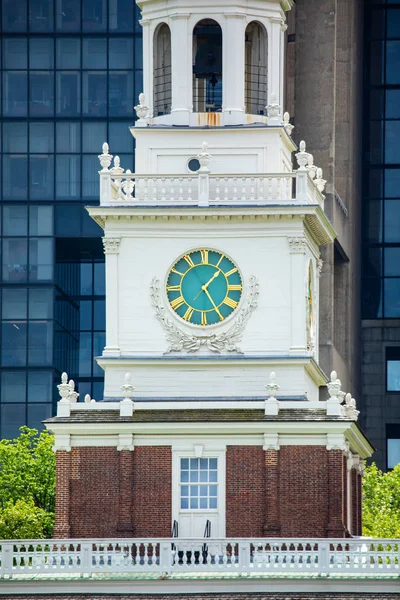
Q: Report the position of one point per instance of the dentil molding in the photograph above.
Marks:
(180, 340)
(111, 245)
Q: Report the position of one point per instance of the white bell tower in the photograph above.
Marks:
(216, 203)
(202, 57)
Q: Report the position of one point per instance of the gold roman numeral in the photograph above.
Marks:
(231, 272)
(229, 302)
(204, 256)
(175, 288)
(235, 288)
(177, 302)
(189, 260)
(203, 318)
(177, 272)
(220, 260)
(188, 314)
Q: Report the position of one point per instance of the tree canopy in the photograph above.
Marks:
(27, 485)
(381, 502)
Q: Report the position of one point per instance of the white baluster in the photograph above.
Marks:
(146, 189)
(180, 193)
(269, 188)
(243, 189)
(252, 189)
(217, 191)
(163, 190)
(189, 189)
(234, 195)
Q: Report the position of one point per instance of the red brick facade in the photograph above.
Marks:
(297, 491)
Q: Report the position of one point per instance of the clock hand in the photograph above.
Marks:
(205, 286)
(214, 305)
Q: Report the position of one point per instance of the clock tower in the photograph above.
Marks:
(215, 410)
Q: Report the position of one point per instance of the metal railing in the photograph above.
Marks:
(243, 556)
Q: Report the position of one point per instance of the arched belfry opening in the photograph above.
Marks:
(162, 70)
(207, 66)
(256, 68)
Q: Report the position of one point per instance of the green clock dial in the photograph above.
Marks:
(204, 287)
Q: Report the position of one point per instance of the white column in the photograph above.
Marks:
(111, 250)
(148, 61)
(298, 247)
(181, 61)
(233, 104)
(275, 71)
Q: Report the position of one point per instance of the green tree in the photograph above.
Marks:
(27, 485)
(381, 502)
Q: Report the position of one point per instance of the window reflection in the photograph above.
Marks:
(120, 93)
(68, 137)
(40, 15)
(41, 173)
(41, 93)
(15, 177)
(68, 53)
(15, 259)
(15, 220)
(120, 15)
(15, 53)
(13, 346)
(15, 93)
(40, 347)
(41, 53)
(14, 15)
(94, 94)
(68, 15)
(68, 176)
(94, 15)
(94, 53)
(40, 259)
(13, 386)
(15, 137)
(68, 93)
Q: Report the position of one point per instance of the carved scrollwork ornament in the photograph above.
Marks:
(111, 245)
(297, 245)
(180, 340)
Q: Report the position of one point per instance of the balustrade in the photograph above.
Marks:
(242, 556)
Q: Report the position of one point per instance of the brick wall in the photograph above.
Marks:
(303, 491)
(245, 492)
(152, 491)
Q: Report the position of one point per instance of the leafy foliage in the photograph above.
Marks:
(27, 485)
(381, 503)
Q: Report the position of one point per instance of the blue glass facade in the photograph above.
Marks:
(70, 71)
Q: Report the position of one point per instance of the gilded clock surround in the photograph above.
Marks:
(204, 287)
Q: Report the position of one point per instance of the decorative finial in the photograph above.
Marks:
(126, 405)
(204, 158)
(142, 110)
(87, 398)
(302, 156)
(127, 389)
(319, 181)
(312, 169)
(64, 388)
(274, 111)
(271, 406)
(287, 124)
(350, 410)
(117, 170)
(105, 158)
(73, 395)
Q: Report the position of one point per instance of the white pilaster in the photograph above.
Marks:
(298, 247)
(181, 54)
(111, 250)
(275, 60)
(148, 59)
(233, 69)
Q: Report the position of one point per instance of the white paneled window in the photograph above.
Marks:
(199, 483)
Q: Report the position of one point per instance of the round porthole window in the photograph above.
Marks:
(193, 165)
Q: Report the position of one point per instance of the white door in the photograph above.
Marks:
(198, 496)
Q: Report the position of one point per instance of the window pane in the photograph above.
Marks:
(13, 344)
(41, 137)
(376, 56)
(15, 93)
(13, 386)
(85, 315)
(15, 137)
(38, 413)
(68, 53)
(90, 184)
(120, 15)
(93, 136)
(94, 53)
(393, 23)
(41, 93)
(14, 15)
(94, 94)
(40, 303)
(68, 176)
(392, 262)
(392, 150)
(120, 94)
(12, 418)
(99, 315)
(392, 221)
(40, 386)
(393, 375)
(40, 338)
(392, 297)
(94, 15)
(68, 15)
(99, 341)
(68, 93)
(41, 177)
(41, 15)
(372, 298)
(40, 259)
(393, 62)
(392, 104)
(41, 53)
(99, 279)
(15, 53)
(68, 137)
(86, 279)
(121, 53)
(392, 183)
(120, 137)
(15, 220)
(40, 220)
(15, 305)
(373, 221)
(85, 354)
(98, 390)
(393, 451)
(15, 177)
(15, 259)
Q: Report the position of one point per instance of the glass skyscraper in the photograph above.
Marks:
(70, 73)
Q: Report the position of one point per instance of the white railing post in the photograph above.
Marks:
(323, 557)
(86, 559)
(301, 186)
(244, 556)
(105, 177)
(165, 557)
(6, 558)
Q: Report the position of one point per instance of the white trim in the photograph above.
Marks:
(201, 405)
